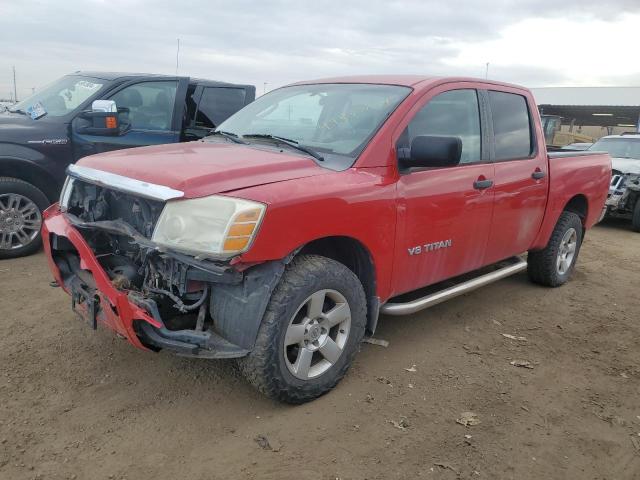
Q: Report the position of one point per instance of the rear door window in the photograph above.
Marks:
(511, 126)
(217, 104)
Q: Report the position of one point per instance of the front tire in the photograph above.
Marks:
(21, 207)
(310, 332)
(553, 265)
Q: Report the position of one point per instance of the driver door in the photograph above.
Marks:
(444, 214)
(150, 112)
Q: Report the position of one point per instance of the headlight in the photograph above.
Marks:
(65, 194)
(217, 225)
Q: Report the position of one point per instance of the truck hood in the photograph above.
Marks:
(16, 122)
(626, 165)
(202, 168)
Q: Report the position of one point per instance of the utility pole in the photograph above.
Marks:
(177, 56)
(15, 90)
(486, 72)
(264, 88)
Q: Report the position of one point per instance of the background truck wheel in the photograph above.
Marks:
(21, 207)
(310, 332)
(635, 218)
(553, 265)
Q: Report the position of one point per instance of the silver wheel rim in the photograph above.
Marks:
(317, 334)
(567, 251)
(20, 221)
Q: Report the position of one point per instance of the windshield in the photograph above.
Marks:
(619, 147)
(61, 97)
(334, 120)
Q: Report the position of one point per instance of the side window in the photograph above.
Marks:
(217, 104)
(511, 125)
(150, 104)
(454, 113)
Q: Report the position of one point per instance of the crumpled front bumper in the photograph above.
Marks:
(114, 308)
(129, 314)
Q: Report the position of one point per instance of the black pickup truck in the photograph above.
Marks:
(93, 112)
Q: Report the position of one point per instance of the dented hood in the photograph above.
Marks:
(201, 168)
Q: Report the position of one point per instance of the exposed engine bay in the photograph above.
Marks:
(183, 292)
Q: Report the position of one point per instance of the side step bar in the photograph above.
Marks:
(438, 297)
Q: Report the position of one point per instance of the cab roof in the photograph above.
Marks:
(405, 80)
(111, 76)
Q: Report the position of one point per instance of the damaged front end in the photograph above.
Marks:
(100, 248)
(624, 192)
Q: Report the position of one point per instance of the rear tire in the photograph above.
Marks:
(553, 265)
(635, 218)
(310, 332)
(21, 207)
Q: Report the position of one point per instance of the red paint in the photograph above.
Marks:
(372, 202)
(122, 313)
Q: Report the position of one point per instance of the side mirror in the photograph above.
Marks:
(104, 106)
(103, 119)
(433, 151)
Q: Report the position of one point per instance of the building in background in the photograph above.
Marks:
(584, 114)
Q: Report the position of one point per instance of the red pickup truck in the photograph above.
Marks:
(279, 239)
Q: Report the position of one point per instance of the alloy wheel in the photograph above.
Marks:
(317, 334)
(567, 251)
(20, 221)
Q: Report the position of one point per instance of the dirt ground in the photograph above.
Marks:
(78, 404)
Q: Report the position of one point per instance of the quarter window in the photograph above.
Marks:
(450, 114)
(511, 126)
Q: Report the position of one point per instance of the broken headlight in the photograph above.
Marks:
(215, 225)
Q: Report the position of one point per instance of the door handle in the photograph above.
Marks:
(482, 184)
(538, 174)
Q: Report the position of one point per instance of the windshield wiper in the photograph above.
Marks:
(17, 110)
(287, 141)
(230, 135)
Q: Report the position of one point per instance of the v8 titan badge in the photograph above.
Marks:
(429, 247)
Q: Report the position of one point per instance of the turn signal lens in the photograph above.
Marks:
(111, 122)
(250, 216)
(241, 229)
(235, 244)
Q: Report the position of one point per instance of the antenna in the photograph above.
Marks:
(15, 90)
(177, 56)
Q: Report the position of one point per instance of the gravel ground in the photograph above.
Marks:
(81, 404)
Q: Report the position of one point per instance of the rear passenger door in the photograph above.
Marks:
(521, 178)
(214, 106)
(444, 214)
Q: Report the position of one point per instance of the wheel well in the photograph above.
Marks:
(36, 176)
(355, 256)
(578, 205)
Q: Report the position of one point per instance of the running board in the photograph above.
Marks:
(438, 297)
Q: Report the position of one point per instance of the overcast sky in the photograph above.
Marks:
(532, 42)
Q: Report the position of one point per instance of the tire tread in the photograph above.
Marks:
(260, 367)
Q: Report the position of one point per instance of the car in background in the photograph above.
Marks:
(578, 146)
(624, 192)
(94, 112)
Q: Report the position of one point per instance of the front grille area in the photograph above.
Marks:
(93, 203)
